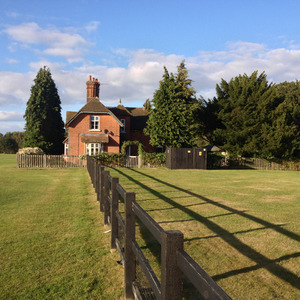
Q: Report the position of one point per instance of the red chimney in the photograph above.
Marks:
(92, 88)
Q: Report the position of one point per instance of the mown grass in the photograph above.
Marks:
(52, 240)
(241, 226)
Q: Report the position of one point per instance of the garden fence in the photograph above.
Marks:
(50, 161)
(175, 262)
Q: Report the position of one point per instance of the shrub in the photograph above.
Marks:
(154, 159)
(110, 159)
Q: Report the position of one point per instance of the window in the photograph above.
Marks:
(93, 148)
(123, 130)
(66, 148)
(94, 124)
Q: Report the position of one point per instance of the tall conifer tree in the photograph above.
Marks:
(170, 120)
(44, 125)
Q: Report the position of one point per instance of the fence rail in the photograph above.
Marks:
(50, 161)
(174, 260)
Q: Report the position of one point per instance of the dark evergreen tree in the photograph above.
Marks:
(245, 105)
(170, 120)
(44, 125)
(282, 132)
(206, 121)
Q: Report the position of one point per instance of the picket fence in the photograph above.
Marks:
(174, 260)
(50, 161)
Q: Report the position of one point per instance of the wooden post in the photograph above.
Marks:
(171, 275)
(105, 201)
(96, 177)
(129, 263)
(98, 182)
(114, 208)
(101, 194)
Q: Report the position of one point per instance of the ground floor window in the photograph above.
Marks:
(93, 148)
(66, 148)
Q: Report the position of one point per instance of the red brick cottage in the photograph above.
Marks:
(96, 128)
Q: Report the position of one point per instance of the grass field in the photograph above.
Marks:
(52, 240)
(242, 227)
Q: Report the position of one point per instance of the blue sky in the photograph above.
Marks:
(126, 44)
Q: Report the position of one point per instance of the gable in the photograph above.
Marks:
(94, 106)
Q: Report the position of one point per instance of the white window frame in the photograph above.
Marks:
(94, 123)
(93, 148)
(123, 129)
(66, 148)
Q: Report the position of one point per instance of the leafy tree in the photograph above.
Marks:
(171, 118)
(8, 144)
(206, 121)
(44, 125)
(282, 132)
(245, 105)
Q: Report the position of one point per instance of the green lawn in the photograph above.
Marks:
(52, 240)
(241, 226)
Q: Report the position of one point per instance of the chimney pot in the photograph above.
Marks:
(90, 77)
(93, 79)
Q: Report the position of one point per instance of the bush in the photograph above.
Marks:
(216, 160)
(111, 159)
(154, 159)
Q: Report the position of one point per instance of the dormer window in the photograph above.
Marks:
(123, 129)
(95, 123)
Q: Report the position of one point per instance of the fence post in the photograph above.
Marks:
(171, 275)
(101, 193)
(105, 200)
(113, 210)
(98, 182)
(96, 177)
(129, 263)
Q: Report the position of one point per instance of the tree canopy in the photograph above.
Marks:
(250, 117)
(170, 120)
(44, 125)
(11, 142)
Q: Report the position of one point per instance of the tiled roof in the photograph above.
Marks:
(70, 115)
(120, 110)
(139, 115)
(94, 105)
(138, 111)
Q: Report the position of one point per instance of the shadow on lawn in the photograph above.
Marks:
(260, 260)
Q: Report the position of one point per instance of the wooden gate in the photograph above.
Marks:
(186, 158)
(132, 162)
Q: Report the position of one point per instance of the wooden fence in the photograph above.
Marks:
(50, 161)
(186, 158)
(264, 164)
(175, 262)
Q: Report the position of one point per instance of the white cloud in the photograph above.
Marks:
(11, 116)
(138, 80)
(92, 26)
(14, 88)
(12, 61)
(72, 46)
(10, 127)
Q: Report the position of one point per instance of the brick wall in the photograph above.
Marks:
(108, 125)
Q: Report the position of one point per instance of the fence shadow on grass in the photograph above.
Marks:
(260, 260)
